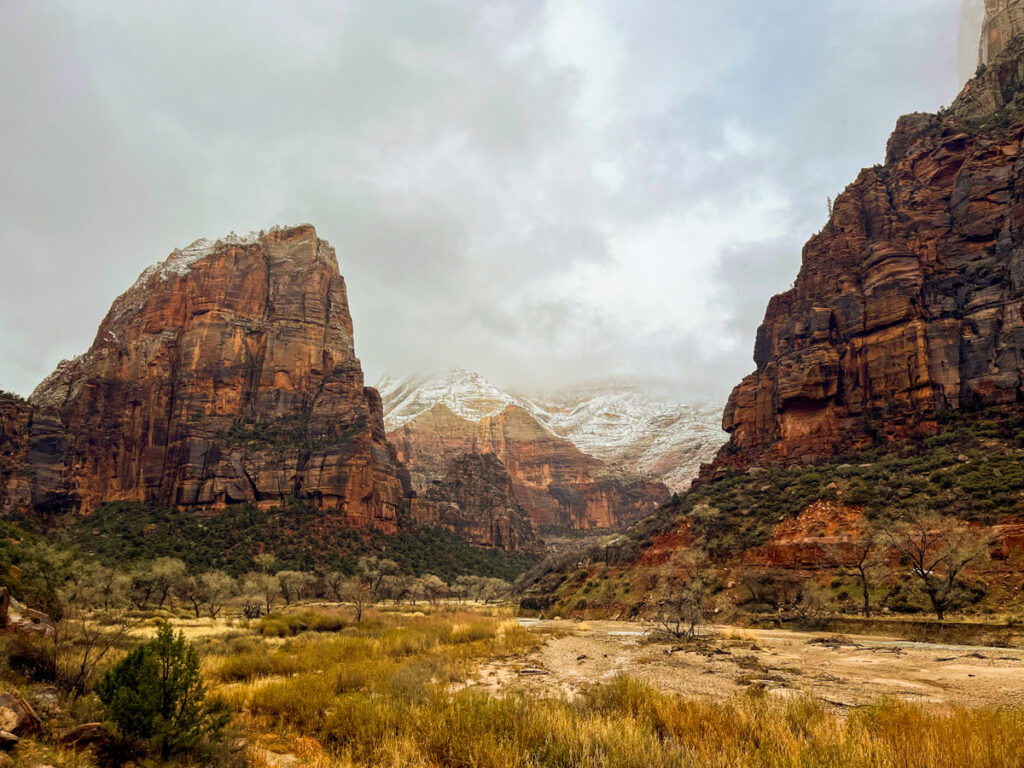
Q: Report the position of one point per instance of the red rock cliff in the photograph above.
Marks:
(225, 374)
(551, 479)
(910, 300)
(15, 417)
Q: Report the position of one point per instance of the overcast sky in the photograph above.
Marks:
(545, 192)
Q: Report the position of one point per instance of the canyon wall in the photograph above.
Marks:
(909, 302)
(225, 374)
(554, 482)
(1004, 20)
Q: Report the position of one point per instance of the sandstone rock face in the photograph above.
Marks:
(552, 480)
(822, 535)
(910, 300)
(475, 499)
(1004, 20)
(620, 422)
(15, 418)
(225, 374)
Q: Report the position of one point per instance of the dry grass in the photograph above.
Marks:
(382, 694)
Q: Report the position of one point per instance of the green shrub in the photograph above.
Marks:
(156, 694)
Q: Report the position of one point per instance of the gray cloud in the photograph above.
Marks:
(543, 191)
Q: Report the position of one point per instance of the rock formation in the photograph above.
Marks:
(617, 421)
(15, 416)
(225, 374)
(1004, 20)
(475, 499)
(910, 300)
(551, 480)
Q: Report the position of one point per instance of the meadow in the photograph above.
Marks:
(393, 691)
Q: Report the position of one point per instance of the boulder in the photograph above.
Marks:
(16, 618)
(17, 716)
(85, 735)
(45, 699)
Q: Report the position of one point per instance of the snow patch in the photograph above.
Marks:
(180, 262)
(615, 421)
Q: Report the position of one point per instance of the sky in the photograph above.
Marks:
(546, 192)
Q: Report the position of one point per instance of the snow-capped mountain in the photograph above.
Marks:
(465, 393)
(615, 421)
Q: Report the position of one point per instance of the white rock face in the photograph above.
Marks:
(615, 421)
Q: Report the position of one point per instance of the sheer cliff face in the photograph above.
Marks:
(550, 479)
(1004, 20)
(910, 300)
(226, 374)
(15, 417)
(474, 498)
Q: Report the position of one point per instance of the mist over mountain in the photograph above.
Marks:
(620, 421)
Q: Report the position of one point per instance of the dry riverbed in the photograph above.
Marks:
(843, 671)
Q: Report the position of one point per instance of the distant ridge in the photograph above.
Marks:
(615, 421)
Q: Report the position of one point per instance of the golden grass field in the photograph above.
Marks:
(393, 692)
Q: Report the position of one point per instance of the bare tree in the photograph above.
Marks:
(862, 557)
(433, 587)
(493, 590)
(377, 571)
(219, 587)
(937, 549)
(191, 590)
(81, 643)
(165, 573)
(335, 583)
(264, 586)
(359, 592)
(141, 588)
(294, 585)
(685, 604)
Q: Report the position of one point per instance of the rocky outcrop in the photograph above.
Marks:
(16, 716)
(552, 480)
(475, 499)
(225, 374)
(15, 417)
(18, 619)
(909, 302)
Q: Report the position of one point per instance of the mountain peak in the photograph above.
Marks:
(615, 420)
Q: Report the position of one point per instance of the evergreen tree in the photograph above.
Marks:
(156, 694)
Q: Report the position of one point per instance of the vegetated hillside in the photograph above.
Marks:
(298, 535)
(971, 469)
(889, 380)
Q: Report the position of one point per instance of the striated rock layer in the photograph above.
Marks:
(225, 374)
(475, 499)
(15, 418)
(1004, 20)
(550, 479)
(911, 299)
(617, 421)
